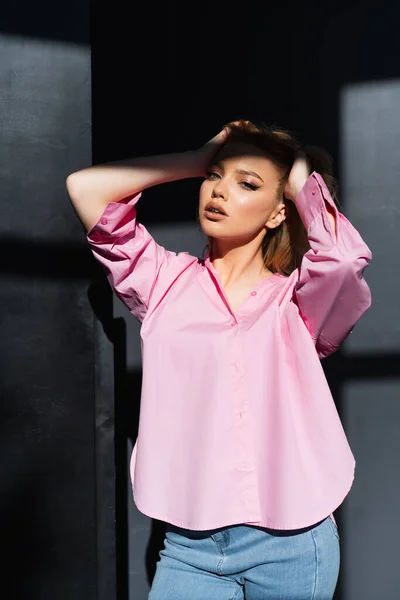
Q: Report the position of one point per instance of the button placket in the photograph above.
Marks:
(242, 419)
(239, 391)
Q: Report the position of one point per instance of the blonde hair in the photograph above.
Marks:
(284, 246)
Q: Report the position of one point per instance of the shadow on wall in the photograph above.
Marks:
(126, 407)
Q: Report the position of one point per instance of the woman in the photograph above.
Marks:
(240, 448)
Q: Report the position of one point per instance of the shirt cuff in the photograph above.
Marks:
(115, 216)
(310, 201)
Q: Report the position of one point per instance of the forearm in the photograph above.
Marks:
(91, 189)
(113, 181)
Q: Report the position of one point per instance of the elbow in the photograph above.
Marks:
(357, 288)
(361, 258)
(70, 182)
(74, 186)
(356, 264)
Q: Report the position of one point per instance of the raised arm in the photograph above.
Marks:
(105, 197)
(331, 293)
(91, 189)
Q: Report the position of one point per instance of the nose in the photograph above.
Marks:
(219, 189)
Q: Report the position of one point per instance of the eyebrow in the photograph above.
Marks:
(245, 172)
(242, 171)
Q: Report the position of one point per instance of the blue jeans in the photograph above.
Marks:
(246, 561)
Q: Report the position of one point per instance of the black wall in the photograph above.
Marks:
(91, 82)
(47, 353)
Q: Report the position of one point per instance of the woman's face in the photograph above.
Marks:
(243, 182)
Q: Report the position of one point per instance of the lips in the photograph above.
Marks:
(214, 216)
(216, 206)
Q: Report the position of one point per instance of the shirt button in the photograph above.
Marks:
(314, 191)
(254, 293)
(103, 221)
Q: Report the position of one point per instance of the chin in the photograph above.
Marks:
(210, 227)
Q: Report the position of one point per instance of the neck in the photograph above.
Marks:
(238, 264)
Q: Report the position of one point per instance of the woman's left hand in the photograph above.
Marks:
(298, 175)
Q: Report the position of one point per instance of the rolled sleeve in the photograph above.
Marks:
(331, 293)
(128, 254)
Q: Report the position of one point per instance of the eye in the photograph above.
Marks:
(249, 186)
(211, 174)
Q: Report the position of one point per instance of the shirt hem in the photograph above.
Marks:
(246, 521)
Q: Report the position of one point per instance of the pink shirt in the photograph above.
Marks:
(237, 421)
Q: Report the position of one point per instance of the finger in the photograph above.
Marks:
(239, 122)
(220, 137)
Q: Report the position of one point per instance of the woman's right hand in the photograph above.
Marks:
(205, 154)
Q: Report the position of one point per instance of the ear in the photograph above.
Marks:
(278, 216)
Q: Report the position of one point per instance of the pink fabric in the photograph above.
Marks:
(237, 421)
